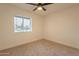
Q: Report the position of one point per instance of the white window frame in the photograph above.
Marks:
(22, 27)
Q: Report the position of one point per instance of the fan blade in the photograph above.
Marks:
(35, 9)
(32, 4)
(43, 8)
(44, 4)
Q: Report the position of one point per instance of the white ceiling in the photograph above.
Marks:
(50, 8)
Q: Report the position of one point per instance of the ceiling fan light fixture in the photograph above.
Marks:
(39, 8)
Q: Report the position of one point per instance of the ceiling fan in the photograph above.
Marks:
(39, 6)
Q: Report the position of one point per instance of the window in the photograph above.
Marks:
(22, 24)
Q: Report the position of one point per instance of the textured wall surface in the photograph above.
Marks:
(8, 38)
(63, 27)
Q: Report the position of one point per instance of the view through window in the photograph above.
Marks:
(22, 24)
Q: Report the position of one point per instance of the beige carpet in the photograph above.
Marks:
(41, 48)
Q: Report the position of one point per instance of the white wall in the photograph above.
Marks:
(63, 27)
(8, 38)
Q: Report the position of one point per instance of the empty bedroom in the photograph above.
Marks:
(39, 29)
